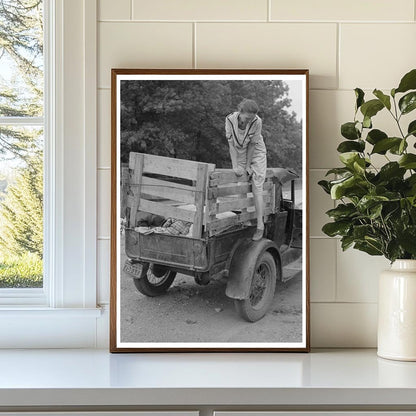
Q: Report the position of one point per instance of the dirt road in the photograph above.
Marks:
(192, 313)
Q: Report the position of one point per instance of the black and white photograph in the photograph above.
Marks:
(209, 232)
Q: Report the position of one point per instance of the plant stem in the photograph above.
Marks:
(396, 119)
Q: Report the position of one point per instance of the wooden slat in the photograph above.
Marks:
(178, 168)
(136, 166)
(273, 199)
(238, 204)
(169, 190)
(220, 224)
(224, 176)
(123, 189)
(162, 182)
(201, 183)
(235, 189)
(277, 196)
(166, 211)
(170, 202)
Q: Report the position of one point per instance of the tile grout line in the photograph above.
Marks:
(338, 63)
(308, 22)
(131, 9)
(345, 302)
(194, 45)
(310, 169)
(336, 271)
(269, 10)
(322, 237)
(310, 89)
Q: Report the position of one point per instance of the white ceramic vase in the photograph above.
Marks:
(397, 312)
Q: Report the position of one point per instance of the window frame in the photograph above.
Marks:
(69, 291)
(38, 296)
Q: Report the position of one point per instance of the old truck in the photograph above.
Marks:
(220, 208)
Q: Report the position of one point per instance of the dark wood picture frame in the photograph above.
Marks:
(115, 220)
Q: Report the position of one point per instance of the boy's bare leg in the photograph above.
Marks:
(259, 205)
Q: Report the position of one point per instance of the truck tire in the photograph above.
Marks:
(263, 286)
(155, 280)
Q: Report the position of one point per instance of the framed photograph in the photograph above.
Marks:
(209, 211)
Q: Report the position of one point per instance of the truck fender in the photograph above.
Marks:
(243, 264)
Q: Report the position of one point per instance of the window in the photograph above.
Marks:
(62, 313)
(22, 137)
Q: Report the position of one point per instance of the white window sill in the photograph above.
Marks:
(323, 378)
(34, 312)
(41, 327)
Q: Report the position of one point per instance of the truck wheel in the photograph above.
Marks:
(263, 285)
(155, 280)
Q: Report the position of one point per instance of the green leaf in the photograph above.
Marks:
(411, 130)
(346, 242)
(371, 108)
(408, 82)
(325, 186)
(398, 149)
(385, 144)
(338, 189)
(359, 95)
(348, 158)
(348, 146)
(408, 161)
(367, 122)
(375, 212)
(360, 231)
(359, 165)
(408, 102)
(336, 228)
(338, 171)
(393, 250)
(342, 211)
(368, 201)
(375, 136)
(368, 248)
(385, 99)
(390, 170)
(349, 131)
(407, 240)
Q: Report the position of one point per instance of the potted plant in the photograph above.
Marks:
(376, 207)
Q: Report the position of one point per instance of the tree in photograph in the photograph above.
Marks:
(185, 119)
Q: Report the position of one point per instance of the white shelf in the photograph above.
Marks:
(97, 378)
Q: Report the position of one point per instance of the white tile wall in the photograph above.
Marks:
(270, 45)
(200, 10)
(368, 10)
(322, 269)
(343, 324)
(114, 10)
(376, 54)
(145, 45)
(104, 128)
(104, 202)
(103, 270)
(345, 44)
(357, 275)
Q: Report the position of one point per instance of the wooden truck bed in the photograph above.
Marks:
(195, 192)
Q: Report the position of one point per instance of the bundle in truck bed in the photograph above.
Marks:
(213, 200)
